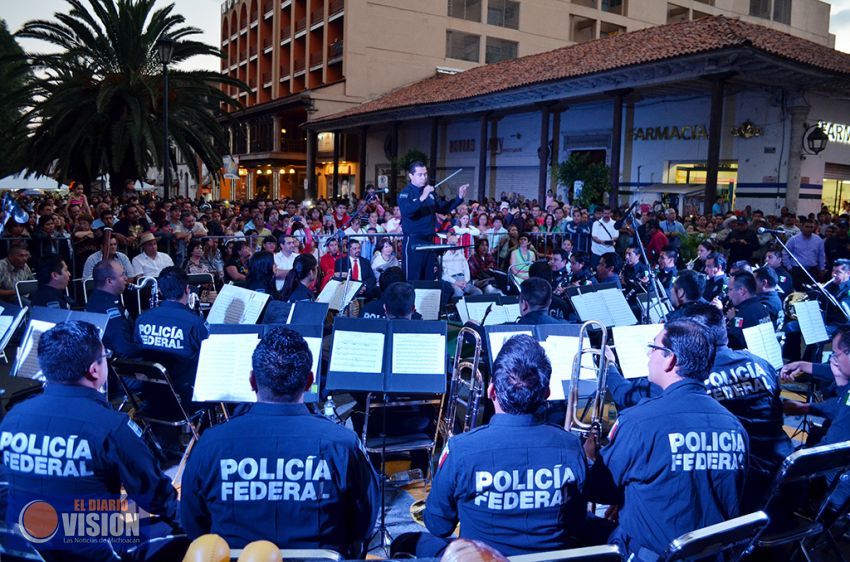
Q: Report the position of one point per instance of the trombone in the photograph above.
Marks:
(465, 374)
(600, 369)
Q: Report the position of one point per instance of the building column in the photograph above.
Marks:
(361, 179)
(393, 183)
(556, 149)
(799, 113)
(432, 153)
(482, 158)
(311, 164)
(276, 133)
(230, 139)
(543, 155)
(247, 137)
(616, 149)
(715, 129)
(337, 136)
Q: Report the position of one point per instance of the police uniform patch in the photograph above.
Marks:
(847, 401)
(135, 428)
(445, 454)
(113, 313)
(738, 322)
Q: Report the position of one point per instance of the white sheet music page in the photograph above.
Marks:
(631, 348)
(511, 312)
(329, 291)
(497, 316)
(236, 305)
(811, 322)
(418, 354)
(428, 303)
(27, 358)
(591, 307)
(462, 312)
(561, 351)
(224, 366)
(357, 352)
(477, 310)
(497, 340)
(315, 345)
(761, 340)
(621, 313)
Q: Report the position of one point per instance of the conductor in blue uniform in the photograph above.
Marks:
(277, 472)
(68, 447)
(680, 458)
(516, 483)
(418, 206)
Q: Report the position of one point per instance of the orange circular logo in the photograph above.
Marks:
(38, 521)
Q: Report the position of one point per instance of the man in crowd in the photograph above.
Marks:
(14, 268)
(284, 259)
(741, 242)
(85, 449)
(716, 285)
(545, 460)
(112, 254)
(311, 485)
(560, 262)
(608, 269)
(53, 278)
(579, 232)
(651, 456)
(150, 262)
(667, 271)
(129, 229)
(109, 284)
(748, 310)
(672, 229)
(808, 248)
(604, 234)
(358, 269)
(328, 260)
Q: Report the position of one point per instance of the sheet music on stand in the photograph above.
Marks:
(428, 303)
(336, 296)
(658, 311)
(761, 340)
(41, 320)
(811, 322)
(237, 305)
(607, 305)
(301, 312)
(10, 319)
(630, 345)
(225, 361)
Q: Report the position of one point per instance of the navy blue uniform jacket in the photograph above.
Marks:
(680, 459)
(172, 334)
(118, 335)
(68, 444)
(515, 484)
(417, 217)
(281, 474)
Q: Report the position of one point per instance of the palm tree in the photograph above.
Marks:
(97, 103)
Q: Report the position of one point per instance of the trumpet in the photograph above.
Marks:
(600, 361)
(144, 282)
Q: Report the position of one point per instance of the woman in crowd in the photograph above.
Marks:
(195, 262)
(301, 278)
(261, 274)
(384, 257)
(522, 258)
(236, 266)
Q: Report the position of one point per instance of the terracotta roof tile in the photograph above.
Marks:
(637, 47)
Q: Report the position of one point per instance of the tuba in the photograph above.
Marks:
(600, 368)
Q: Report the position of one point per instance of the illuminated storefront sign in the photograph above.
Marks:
(674, 132)
(837, 132)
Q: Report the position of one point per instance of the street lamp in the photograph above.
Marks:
(815, 140)
(165, 45)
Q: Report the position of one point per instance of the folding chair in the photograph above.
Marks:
(155, 375)
(25, 289)
(603, 553)
(726, 537)
(801, 467)
(201, 279)
(380, 445)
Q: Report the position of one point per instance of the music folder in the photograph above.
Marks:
(811, 322)
(381, 355)
(301, 312)
(225, 361)
(604, 302)
(11, 317)
(559, 342)
(338, 293)
(428, 299)
(41, 320)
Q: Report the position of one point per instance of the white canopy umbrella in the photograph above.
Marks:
(43, 183)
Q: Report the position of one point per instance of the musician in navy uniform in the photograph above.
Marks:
(418, 206)
(768, 294)
(716, 284)
(109, 283)
(535, 299)
(673, 452)
(277, 472)
(53, 277)
(171, 333)
(667, 268)
(68, 446)
(516, 483)
(560, 264)
(839, 287)
(687, 288)
(748, 310)
(773, 260)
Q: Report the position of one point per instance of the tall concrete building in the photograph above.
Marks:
(306, 59)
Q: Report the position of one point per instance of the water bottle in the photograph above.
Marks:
(330, 409)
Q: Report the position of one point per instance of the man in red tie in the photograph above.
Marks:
(359, 269)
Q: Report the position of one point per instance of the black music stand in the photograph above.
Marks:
(439, 249)
(374, 333)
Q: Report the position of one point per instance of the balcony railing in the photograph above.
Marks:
(300, 24)
(315, 59)
(317, 16)
(335, 51)
(335, 7)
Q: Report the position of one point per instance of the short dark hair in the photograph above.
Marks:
(48, 265)
(400, 300)
(579, 257)
(411, 168)
(540, 270)
(172, 283)
(281, 364)
(66, 350)
(103, 272)
(745, 280)
(670, 252)
(536, 292)
(709, 315)
(391, 275)
(741, 265)
(563, 253)
(612, 261)
(768, 275)
(844, 342)
(842, 263)
(521, 374)
(719, 260)
(692, 283)
(692, 344)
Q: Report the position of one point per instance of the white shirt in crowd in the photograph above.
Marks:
(150, 267)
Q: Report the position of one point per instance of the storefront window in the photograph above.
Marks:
(696, 172)
(835, 194)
